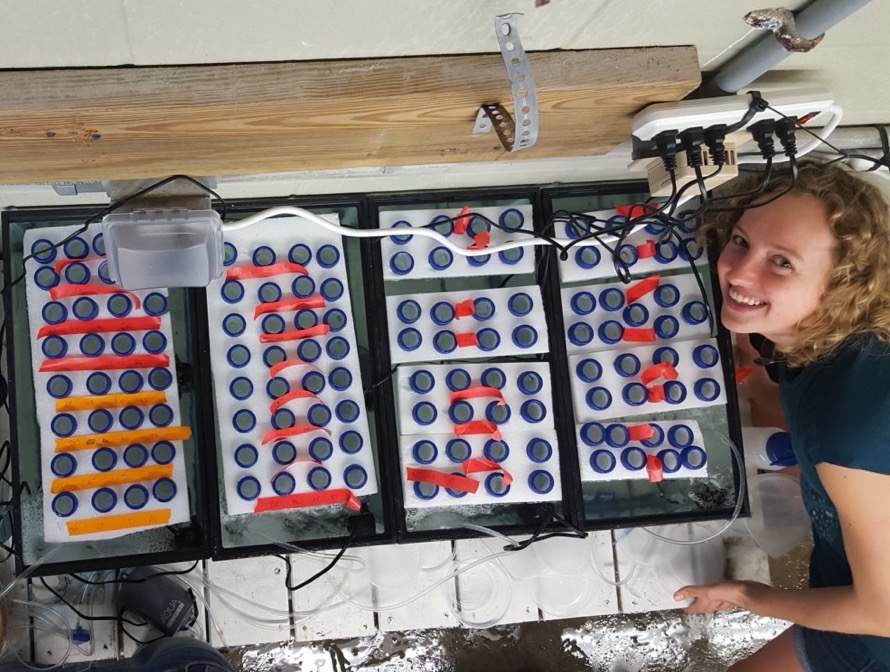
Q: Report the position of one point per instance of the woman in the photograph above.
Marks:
(809, 271)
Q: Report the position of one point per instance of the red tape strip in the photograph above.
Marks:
(638, 335)
(641, 432)
(443, 479)
(464, 309)
(290, 396)
(297, 430)
(742, 373)
(64, 291)
(643, 287)
(477, 392)
(631, 211)
(288, 363)
(478, 427)
(299, 334)
(289, 305)
(251, 272)
(664, 370)
(467, 340)
(305, 500)
(656, 394)
(103, 326)
(646, 250)
(462, 221)
(476, 465)
(654, 469)
(105, 363)
(62, 263)
(480, 241)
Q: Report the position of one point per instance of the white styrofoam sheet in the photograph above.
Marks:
(319, 610)
(440, 395)
(688, 371)
(687, 290)
(502, 321)
(55, 527)
(281, 235)
(50, 646)
(488, 588)
(620, 472)
(420, 247)
(571, 271)
(517, 463)
(263, 615)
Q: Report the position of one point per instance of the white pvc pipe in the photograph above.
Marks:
(813, 20)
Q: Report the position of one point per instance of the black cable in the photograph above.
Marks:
(320, 573)
(80, 614)
(124, 579)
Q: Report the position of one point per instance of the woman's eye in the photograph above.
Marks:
(736, 239)
(783, 262)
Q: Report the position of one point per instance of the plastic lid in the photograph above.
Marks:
(779, 450)
(163, 248)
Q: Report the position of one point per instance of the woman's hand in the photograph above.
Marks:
(714, 597)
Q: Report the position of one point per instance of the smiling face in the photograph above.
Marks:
(775, 267)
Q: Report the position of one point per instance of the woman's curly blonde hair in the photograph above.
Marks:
(857, 296)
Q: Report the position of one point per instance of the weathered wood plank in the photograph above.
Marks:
(129, 123)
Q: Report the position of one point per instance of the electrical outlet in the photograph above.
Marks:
(726, 110)
(660, 180)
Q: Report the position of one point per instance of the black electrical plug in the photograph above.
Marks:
(666, 144)
(715, 137)
(692, 139)
(785, 129)
(762, 132)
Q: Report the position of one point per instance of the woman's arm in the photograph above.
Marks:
(862, 500)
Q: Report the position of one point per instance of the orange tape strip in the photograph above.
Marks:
(99, 480)
(103, 326)
(110, 401)
(299, 334)
(307, 499)
(289, 305)
(64, 291)
(251, 272)
(105, 363)
(122, 521)
(125, 438)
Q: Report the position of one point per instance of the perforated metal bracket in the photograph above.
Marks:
(523, 132)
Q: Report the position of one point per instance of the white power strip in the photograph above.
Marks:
(726, 110)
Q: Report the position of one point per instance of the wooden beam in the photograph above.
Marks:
(132, 123)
